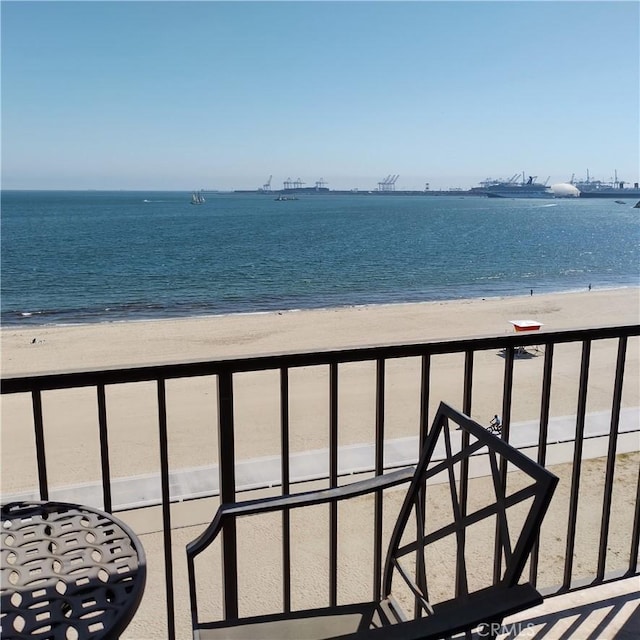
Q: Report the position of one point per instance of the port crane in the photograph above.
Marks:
(389, 183)
(382, 185)
(267, 185)
(320, 183)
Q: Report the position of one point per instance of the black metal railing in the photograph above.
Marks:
(225, 370)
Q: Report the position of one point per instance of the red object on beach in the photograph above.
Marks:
(526, 325)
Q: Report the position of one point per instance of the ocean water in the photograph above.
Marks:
(76, 257)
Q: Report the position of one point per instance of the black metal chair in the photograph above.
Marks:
(512, 511)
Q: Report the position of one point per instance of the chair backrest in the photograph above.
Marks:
(473, 498)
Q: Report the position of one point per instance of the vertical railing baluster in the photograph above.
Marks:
(467, 395)
(333, 482)
(421, 498)
(379, 470)
(468, 382)
(507, 394)
(104, 449)
(635, 535)
(226, 466)
(421, 573)
(611, 458)
(425, 383)
(285, 471)
(577, 463)
(41, 457)
(166, 506)
(507, 391)
(545, 405)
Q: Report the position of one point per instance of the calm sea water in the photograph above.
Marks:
(74, 257)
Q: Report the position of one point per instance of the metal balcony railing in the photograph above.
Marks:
(225, 371)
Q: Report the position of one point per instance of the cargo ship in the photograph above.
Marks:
(589, 188)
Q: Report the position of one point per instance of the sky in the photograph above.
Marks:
(221, 95)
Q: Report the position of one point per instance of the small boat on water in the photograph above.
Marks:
(197, 198)
(281, 198)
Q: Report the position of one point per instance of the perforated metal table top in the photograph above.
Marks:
(68, 572)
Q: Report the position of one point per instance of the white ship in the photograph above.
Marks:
(514, 188)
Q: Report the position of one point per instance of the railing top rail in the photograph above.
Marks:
(144, 373)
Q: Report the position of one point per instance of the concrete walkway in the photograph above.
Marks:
(604, 612)
(257, 473)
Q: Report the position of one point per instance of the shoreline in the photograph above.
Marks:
(46, 348)
(14, 326)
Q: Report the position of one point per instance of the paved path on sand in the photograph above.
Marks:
(257, 473)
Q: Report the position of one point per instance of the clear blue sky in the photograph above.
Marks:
(220, 95)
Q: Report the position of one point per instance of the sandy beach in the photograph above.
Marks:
(71, 419)
(192, 413)
(71, 415)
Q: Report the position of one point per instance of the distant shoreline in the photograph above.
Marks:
(631, 199)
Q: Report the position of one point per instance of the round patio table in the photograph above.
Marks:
(68, 572)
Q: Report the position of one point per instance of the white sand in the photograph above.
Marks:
(71, 416)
